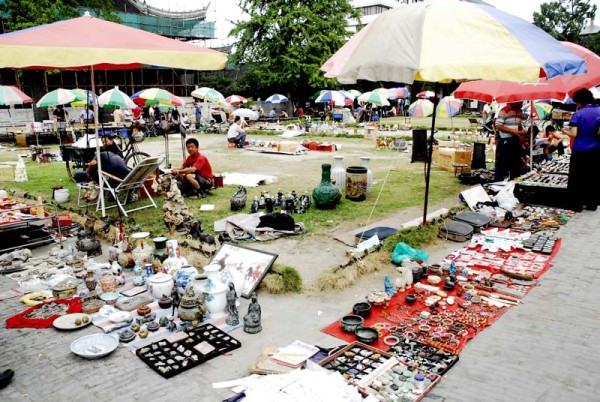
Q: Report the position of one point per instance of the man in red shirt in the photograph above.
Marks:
(196, 173)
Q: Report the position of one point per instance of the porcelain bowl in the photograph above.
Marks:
(94, 346)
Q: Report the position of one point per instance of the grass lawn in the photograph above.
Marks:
(404, 186)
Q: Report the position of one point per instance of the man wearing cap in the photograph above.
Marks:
(112, 162)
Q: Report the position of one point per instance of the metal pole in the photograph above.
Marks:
(429, 154)
(100, 179)
(531, 135)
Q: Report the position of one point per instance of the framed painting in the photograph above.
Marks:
(253, 264)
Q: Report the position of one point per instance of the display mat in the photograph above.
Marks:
(21, 321)
(451, 327)
(201, 344)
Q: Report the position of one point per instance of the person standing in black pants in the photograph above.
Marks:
(583, 178)
(509, 125)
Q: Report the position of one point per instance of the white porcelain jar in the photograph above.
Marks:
(365, 162)
(338, 173)
(160, 284)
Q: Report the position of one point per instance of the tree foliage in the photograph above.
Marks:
(20, 14)
(285, 42)
(564, 19)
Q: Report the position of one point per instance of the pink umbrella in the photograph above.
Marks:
(555, 88)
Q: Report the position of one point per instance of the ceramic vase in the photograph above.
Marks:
(143, 252)
(113, 253)
(215, 291)
(184, 276)
(365, 162)
(175, 260)
(356, 183)
(338, 172)
(326, 195)
(90, 281)
(125, 258)
(160, 248)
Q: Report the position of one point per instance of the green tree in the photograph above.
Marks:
(285, 42)
(564, 19)
(20, 14)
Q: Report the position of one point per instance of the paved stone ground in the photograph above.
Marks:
(543, 350)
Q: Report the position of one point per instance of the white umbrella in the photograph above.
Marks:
(246, 114)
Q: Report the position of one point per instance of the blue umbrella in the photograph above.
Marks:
(276, 98)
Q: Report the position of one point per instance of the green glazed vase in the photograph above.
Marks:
(326, 195)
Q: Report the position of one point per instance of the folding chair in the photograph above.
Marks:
(133, 181)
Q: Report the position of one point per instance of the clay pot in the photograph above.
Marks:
(351, 322)
(143, 310)
(362, 309)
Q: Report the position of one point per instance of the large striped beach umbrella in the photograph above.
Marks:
(115, 97)
(10, 95)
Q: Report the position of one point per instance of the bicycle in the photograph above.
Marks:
(77, 159)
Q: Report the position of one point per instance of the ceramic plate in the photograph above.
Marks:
(94, 346)
(67, 322)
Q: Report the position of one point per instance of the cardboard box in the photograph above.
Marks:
(445, 158)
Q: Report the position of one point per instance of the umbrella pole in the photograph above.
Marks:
(531, 135)
(429, 154)
(98, 159)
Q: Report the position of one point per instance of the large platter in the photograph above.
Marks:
(67, 322)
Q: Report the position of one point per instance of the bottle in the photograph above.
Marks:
(40, 208)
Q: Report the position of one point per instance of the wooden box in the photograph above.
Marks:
(445, 158)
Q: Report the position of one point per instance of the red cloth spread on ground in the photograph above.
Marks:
(398, 308)
(20, 321)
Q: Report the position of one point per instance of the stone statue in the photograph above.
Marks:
(252, 318)
(233, 318)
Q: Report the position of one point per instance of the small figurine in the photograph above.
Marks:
(117, 271)
(252, 323)
(255, 205)
(452, 269)
(171, 326)
(465, 273)
(233, 318)
(175, 296)
(269, 204)
(389, 288)
(238, 201)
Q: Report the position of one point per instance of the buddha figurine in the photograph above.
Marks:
(252, 323)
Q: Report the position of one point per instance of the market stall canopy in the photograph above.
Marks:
(555, 88)
(86, 41)
(10, 95)
(160, 96)
(403, 45)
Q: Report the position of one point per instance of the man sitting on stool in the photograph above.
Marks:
(196, 173)
(236, 134)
